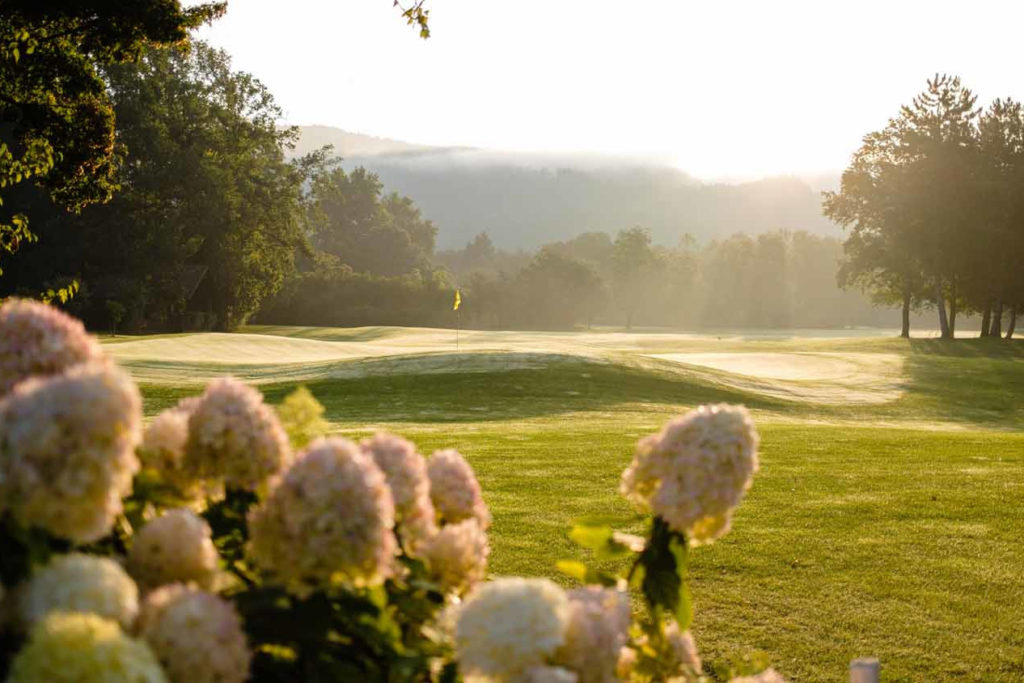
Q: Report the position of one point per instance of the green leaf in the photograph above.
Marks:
(592, 537)
(601, 539)
(576, 570)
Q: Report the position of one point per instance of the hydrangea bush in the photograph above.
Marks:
(228, 542)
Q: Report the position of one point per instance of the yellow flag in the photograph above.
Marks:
(458, 300)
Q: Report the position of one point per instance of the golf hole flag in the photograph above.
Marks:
(458, 300)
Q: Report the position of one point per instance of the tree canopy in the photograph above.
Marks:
(931, 205)
(57, 122)
(209, 216)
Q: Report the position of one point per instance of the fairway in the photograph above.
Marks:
(886, 519)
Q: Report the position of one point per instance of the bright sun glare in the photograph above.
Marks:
(729, 89)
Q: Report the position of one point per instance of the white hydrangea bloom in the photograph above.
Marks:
(457, 555)
(234, 437)
(37, 340)
(598, 629)
(696, 470)
(406, 472)
(196, 635)
(163, 451)
(683, 649)
(508, 626)
(67, 449)
(329, 519)
(766, 676)
(626, 663)
(454, 489)
(174, 547)
(80, 583)
(83, 648)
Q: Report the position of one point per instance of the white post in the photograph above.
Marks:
(864, 670)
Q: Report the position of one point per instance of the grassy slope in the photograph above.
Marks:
(900, 540)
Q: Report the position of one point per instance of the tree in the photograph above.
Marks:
(871, 204)
(770, 299)
(210, 214)
(908, 199)
(728, 271)
(633, 263)
(939, 148)
(371, 233)
(57, 120)
(555, 291)
(997, 257)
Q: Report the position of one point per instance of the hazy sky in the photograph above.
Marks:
(720, 88)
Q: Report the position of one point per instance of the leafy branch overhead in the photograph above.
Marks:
(57, 141)
(416, 15)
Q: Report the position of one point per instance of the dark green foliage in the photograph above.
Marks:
(933, 210)
(337, 296)
(340, 634)
(209, 216)
(352, 221)
(56, 116)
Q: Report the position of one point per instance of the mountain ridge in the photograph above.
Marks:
(524, 200)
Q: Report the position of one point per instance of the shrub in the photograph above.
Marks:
(345, 562)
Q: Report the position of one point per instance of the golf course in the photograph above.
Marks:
(885, 519)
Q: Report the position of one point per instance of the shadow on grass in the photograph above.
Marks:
(969, 348)
(508, 394)
(559, 388)
(979, 381)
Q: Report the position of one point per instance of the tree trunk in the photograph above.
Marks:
(940, 303)
(996, 330)
(952, 309)
(1013, 323)
(986, 319)
(905, 330)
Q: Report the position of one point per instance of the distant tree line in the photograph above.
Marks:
(774, 280)
(934, 210)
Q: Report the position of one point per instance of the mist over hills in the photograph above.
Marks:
(524, 200)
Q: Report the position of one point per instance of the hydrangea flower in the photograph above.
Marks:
(597, 631)
(683, 650)
(329, 520)
(696, 470)
(38, 340)
(67, 449)
(163, 450)
(457, 555)
(406, 473)
(626, 663)
(507, 627)
(80, 583)
(454, 489)
(174, 547)
(196, 635)
(234, 437)
(77, 647)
